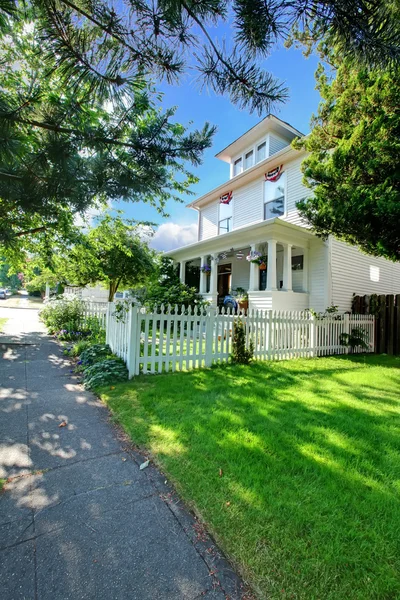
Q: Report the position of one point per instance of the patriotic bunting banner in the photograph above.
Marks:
(274, 174)
(226, 198)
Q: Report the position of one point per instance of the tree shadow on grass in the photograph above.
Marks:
(308, 501)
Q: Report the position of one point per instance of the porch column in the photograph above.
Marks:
(305, 269)
(287, 267)
(254, 283)
(271, 268)
(214, 275)
(203, 276)
(182, 270)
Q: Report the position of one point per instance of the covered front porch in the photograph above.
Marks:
(231, 262)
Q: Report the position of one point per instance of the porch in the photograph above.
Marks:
(280, 282)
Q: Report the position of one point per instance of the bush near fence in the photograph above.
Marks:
(386, 309)
(180, 338)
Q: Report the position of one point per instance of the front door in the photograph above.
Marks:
(224, 281)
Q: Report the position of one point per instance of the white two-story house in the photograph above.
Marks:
(254, 213)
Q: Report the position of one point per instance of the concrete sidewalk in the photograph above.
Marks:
(78, 519)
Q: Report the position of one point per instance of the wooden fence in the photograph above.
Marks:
(95, 309)
(179, 339)
(386, 309)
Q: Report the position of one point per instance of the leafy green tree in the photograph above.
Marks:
(353, 166)
(167, 288)
(66, 148)
(112, 253)
(9, 279)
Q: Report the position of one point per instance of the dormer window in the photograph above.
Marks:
(249, 159)
(237, 166)
(261, 151)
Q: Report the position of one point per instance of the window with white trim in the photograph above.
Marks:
(274, 198)
(225, 217)
(261, 151)
(237, 166)
(249, 159)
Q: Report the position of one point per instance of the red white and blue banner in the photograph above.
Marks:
(274, 174)
(226, 198)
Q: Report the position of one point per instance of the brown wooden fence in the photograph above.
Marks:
(386, 308)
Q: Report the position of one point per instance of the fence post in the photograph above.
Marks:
(132, 332)
(312, 336)
(108, 316)
(269, 335)
(346, 329)
(210, 320)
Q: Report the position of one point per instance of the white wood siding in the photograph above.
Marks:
(318, 276)
(276, 143)
(248, 204)
(354, 272)
(295, 191)
(209, 221)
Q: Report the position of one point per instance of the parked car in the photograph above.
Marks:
(3, 294)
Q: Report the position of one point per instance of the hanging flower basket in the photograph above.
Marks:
(205, 269)
(263, 266)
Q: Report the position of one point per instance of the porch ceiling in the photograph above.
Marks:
(273, 229)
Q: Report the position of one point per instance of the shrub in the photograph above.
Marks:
(358, 337)
(68, 335)
(63, 313)
(105, 372)
(241, 354)
(78, 348)
(94, 354)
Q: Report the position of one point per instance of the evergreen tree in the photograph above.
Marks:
(353, 167)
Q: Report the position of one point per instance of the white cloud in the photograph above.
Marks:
(89, 217)
(172, 235)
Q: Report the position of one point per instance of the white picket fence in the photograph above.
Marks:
(95, 309)
(176, 339)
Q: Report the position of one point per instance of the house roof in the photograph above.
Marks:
(242, 237)
(269, 123)
(287, 153)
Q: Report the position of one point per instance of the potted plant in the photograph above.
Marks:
(205, 269)
(257, 258)
(242, 298)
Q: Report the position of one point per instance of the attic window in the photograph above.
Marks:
(249, 159)
(261, 151)
(237, 166)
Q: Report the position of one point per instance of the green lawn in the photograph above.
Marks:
(3, 321)
(308, 505)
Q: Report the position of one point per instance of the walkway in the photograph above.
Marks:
(78, 519)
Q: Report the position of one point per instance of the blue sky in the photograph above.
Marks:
(289, 66)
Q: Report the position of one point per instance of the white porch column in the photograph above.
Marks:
(305, 269)
(182, 270)
(287, 267)
(254, 283)
(203, 276)
(271, 268)
(47, 292)
(214, 275)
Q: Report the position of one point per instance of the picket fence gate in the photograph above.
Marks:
(177, 338)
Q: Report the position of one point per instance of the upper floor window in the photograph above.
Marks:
(261, 151)
(225, 217)
(249, 159)
(237, 166)
(274, 197)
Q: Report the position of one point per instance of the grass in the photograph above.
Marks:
(3, 321)
(2, 484)
(308, 504)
